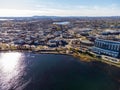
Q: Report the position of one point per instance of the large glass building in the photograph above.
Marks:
(107, 47)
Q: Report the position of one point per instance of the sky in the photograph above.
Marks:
(59, 8)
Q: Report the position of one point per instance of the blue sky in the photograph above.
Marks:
(60, 7)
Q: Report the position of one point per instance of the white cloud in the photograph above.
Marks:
(14, 12)
(75, 11)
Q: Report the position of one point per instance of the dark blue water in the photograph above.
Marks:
(55, 72)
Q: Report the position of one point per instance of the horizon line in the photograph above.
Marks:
(57, 16)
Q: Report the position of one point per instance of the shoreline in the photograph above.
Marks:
(82, 57)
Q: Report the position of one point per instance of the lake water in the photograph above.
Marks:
(61, 23)
(6, 19)
(28, 71)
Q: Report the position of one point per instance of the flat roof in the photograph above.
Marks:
(109, 41)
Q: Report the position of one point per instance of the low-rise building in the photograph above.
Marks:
(107, 47)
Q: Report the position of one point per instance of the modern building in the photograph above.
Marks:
(107, 47)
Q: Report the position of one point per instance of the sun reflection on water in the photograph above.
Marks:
(9, 61)
(10, 69)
